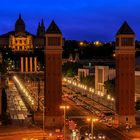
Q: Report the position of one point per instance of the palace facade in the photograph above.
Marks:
(25, 46)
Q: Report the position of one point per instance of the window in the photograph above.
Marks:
(117, 41)
(127, 41)
(53, 119)
(100, 75)
(54, 41)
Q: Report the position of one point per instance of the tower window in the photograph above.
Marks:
(54, 41)
(117, 41)
(127, 41)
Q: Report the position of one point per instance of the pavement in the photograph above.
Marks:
(133, 133)
(11, 130)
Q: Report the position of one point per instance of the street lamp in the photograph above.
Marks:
(43, 118)
(64, 107)
(38, 80)
(92, 121)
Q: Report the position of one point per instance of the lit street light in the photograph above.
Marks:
(92, 121)
(43, 119)
(64, 107)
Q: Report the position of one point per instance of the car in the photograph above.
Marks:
(109, 124)
(101, 136)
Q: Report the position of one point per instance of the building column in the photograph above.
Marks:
(26, 64)
(35, 64)
(21, 64)
(0, 101)
(31, 65)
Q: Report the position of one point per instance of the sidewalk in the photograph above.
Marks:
(132, 133)
(15, 130)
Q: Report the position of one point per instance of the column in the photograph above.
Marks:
(0, 101)
(35, 64)
(21, 64)
(26, 64)
(0, 95)
(31, 65)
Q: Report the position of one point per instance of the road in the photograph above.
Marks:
(78, 110)
(78, 113)
(16, 107)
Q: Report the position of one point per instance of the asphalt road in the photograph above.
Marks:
(84, 126)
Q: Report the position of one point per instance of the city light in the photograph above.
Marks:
(91, 90)
(24, 90)
(64, 107)
(92, 120)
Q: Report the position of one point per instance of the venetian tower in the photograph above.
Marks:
(125, 75)
(53, 77)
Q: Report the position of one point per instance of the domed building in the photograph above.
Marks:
(20, 25)
(23, 45)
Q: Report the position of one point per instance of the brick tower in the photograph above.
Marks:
(53, 74)
(125, 75)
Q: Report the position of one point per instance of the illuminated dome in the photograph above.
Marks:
(20, 25)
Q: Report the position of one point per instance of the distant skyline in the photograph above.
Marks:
(89, 20)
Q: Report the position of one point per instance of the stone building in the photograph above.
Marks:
(23, 45)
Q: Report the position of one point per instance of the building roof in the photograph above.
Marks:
(20, 21)
(14, 33)
(125, 29)
(53, 29)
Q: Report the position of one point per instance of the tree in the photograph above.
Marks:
(4, 102)
(3, 68)
(70, 69)
(88, 80)
(110, 86)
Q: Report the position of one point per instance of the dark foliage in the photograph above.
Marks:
(110, 86)
(88, 80)
(70, 69)
(4, 102)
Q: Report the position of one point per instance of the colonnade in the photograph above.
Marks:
(28, 64)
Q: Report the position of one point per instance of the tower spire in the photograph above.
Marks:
(125, 29)
(19, 15)
(42, 22)
(41, 29)
(53, 28)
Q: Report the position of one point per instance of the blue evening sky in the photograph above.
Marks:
(78, 19)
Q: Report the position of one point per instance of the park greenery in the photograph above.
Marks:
(70, 69)
(110, 86)
(88, 80)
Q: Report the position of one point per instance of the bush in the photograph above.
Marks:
(6, 119)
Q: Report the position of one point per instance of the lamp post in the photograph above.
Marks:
(92, 122)
(38, 96)
(64, 107)
(43, 120)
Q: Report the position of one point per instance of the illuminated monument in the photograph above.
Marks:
(53, 74)
(23, 45)
(125, 75)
